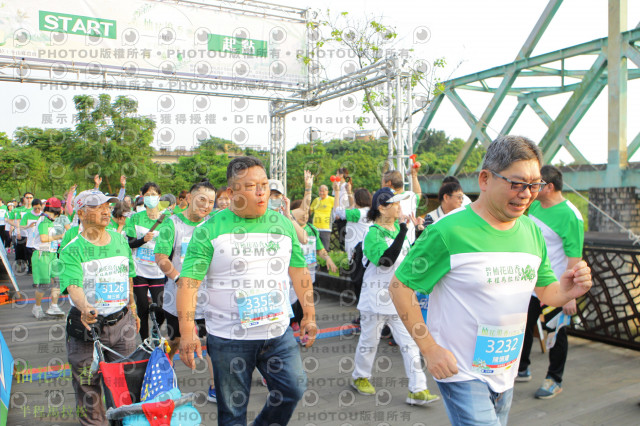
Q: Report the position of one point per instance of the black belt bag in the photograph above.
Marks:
(77, 330)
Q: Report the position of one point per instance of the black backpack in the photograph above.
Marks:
(357, 268)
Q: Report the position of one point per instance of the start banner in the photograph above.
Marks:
(169, 39)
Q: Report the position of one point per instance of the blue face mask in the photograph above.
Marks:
(274, 204)
(151, 201)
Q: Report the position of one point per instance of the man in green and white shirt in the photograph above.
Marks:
(480, 265)
(246, 255)
(97, 273)
(563, 229)
(171, 248)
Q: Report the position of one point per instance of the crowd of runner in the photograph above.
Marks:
(233, 268)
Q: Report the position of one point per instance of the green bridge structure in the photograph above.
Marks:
(609, 57)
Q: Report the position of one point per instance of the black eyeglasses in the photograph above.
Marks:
(521, 186)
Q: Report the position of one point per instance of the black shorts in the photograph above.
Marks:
(173, 327)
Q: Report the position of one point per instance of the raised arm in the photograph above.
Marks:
(308, 187)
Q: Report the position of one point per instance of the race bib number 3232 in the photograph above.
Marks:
(497, 348)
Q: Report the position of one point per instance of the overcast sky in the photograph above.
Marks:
(470, 35)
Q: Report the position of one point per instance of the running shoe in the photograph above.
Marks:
(523, 376)
(54, 310)
(363, 386)
(421, 398)
(37, 312)
(211, 396)
(549, 389)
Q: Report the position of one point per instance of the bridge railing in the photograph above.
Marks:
(610, 311)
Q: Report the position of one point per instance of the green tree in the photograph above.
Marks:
(52, 144)
(370, 41)
(111, 139)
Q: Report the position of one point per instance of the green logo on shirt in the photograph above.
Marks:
(509, 273)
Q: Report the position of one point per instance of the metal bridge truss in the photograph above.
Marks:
(608, 67)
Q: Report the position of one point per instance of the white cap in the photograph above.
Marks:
(276, 185)
(91, 198)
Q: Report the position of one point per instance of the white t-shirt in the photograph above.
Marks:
(480, 281)
(356, 229)
(375, 283)
(174, 236)
(563, 229)
(244, 266)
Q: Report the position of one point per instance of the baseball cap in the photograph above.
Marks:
(385, 196)
(53, 202)
(91, 198)
(276, 185)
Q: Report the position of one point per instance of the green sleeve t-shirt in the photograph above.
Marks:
(243, 258)
(103, 272)
(562, 227)
(144, 258)
(479, 278)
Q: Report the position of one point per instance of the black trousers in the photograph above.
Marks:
(3, 236)
(557, 354)
(155, 286)
(21, 249)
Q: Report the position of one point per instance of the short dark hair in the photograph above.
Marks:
(119, 209)
(296, 204)
(362, 197)
(183, 194)
(55, 210)
(508, 149)
(204, 183)
(147, 186)
(36, 202)
(395, 177)
(551, 174)
(448, 189)
(25, 194)
(240, 164)
(448, 179)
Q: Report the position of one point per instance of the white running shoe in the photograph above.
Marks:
(37, 312)
(55, 310)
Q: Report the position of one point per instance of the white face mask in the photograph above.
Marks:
(151, 201)
(274, 204)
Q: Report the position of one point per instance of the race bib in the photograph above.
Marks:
(183, 248)
(145, 254)
(262, 306)
(309, 251)
(111, 294)
(497, 348)
(54, 245)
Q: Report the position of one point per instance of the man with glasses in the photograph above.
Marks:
(450, 196)
(563, 229)
(246, 256)
(480, 265)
